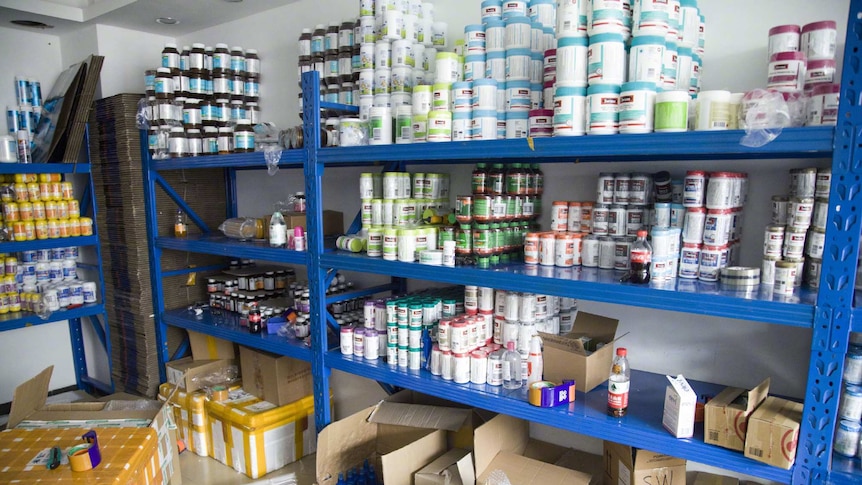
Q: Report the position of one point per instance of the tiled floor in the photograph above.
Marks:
(198, 470)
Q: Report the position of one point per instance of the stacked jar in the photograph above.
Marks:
(794, 242)
(403, 216)
(494, 219)
(802, 62)
(203, 100)
(849, 428)
(457, 333)
(713, 210)
(22, 119)
(45, 280)
(38, 207)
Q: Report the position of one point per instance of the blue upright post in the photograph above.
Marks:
(832, 314)
(316, 276)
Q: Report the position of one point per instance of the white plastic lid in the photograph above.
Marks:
(176, 129)
(243, 121)
(300, 193)
(221, 46)
(170, 45)
(198, 45)
(236, 48)
(164, 70)
(306, 31)
(251, 51)
(319, 27)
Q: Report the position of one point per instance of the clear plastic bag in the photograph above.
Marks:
(239, 228)
(222, 377)
(763, 115)
(144, 116)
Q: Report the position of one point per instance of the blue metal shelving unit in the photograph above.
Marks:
(93, 313)
(829, 313)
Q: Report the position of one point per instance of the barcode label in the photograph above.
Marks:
(755, 452)
(651, 73)
(713, 435)
(377, 133)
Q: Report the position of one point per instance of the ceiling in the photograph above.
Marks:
(70, 15)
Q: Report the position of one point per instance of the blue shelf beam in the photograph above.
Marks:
(600, 285)
(12, 321)
(66, 168)
(254, 160)
(809, 142)
(225, 246)
(17, 246)
(227, 327)
(587, 415)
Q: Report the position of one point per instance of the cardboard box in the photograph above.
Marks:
(726, 415)
(274, 378)
(625, 464)
(455, 467)
(129, 455)
(680, 401)
(504, 444)
(565, 356)
(398, 438)
(333, 221)
(190, 415)
(703, 478)
(29, 411)
(187, 373)
(256, 437)
(773, 431)
(461, 437)
(207, 347)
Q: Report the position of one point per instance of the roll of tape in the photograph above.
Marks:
(546, 394)
(219, 393)
(86, 456)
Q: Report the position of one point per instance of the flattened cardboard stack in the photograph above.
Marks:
(118, 175)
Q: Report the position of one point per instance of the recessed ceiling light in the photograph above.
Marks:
(32, 24)
(167, 21)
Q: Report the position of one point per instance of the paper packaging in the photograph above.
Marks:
(256, 437)
(773, 431)
(207, 347)
(703, 478)
(504, 444)
(30, 411)
(398, 438)
(186, 373)
(565, 357)
(455, 467)
(462, 437)
(679, 406)
(726, 415)
(625, 464)
(274, 378)
(332, 222)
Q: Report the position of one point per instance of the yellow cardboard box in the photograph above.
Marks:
(190, 415)
(256, 437)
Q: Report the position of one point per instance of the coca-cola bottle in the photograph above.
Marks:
(641, 258)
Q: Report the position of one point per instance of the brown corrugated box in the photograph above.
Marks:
(626, 464)
(565, 357)
(274, 378)
(726, 415)
(503, 443)
(773, 431)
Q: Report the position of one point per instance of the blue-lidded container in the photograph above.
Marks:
(518, 96)
(518, 64)
(492, 10)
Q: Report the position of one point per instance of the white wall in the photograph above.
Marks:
(123, 70)
(25, 352)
